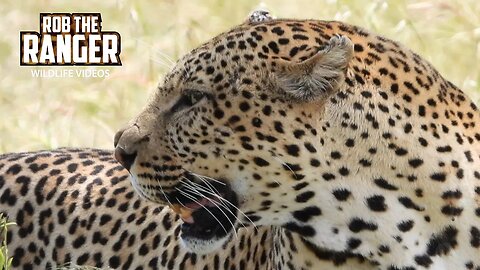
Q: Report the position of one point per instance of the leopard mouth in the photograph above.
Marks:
(208, 210)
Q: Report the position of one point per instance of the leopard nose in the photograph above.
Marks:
(117, 137)
(124, 158)
(123, 154)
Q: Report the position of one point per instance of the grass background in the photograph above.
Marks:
(39, 113)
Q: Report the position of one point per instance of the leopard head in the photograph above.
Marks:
(230, 134)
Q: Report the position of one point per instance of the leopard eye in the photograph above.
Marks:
(188, 99)
(193, 97)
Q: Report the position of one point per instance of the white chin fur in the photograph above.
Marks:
(201, 246)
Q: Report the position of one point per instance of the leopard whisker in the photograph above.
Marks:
(228, 202)
(209, 185)
(163, 193)
(209, 178)
(194, 192)
(195, 188)
(197, 202)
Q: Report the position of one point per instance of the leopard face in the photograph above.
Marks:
(213, 132)
(320, 127)
(217, 136)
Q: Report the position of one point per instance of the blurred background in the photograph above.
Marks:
(43, 113)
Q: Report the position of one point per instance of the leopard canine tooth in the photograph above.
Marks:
(175, 207)
(185, 213)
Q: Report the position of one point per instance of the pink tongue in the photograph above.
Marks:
(197, 205)
(188, 220)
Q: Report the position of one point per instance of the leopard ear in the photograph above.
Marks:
(320, 75)
(259, 15)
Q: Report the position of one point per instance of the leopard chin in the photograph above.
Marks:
(203, 246)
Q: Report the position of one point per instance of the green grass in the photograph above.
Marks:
(48, 113)
(5, 260)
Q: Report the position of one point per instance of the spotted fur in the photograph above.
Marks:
(77, 206)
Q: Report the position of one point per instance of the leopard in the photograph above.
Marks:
(278, 144)
(344, 137)
(75, 208)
